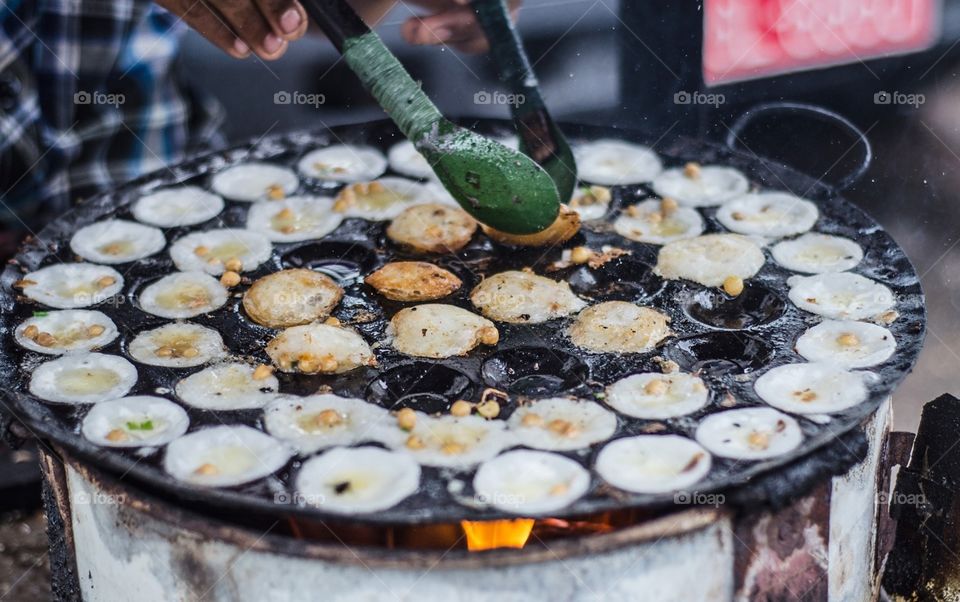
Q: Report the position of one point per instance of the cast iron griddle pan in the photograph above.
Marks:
(730, 344)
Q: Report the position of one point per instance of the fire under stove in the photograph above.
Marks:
(811, 524)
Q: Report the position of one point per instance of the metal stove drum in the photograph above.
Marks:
(803, 524)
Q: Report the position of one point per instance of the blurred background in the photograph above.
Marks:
(680, 68)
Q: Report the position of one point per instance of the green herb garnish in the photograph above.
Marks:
(40, 314)
(146, 425)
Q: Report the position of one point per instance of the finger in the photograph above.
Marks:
(455, 25)
(286, 18)
(473, 46)
(415, 32)
(246, 21)
(200, 18)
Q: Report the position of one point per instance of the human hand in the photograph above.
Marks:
(450, 23)
(240, 27)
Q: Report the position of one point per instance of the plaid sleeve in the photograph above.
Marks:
(92, 101)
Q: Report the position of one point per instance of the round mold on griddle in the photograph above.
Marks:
(534, 371)
(344, 261)
(625, 278)
(423, 386)
(755, 306)
(721, 353)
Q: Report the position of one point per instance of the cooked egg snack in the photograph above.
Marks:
(841, 296)
(343, 163)
(225, 456)
(437, 330)
(619, 327)
(560, 231)
(590, 202)
(413, 281)
(357, 480)
(847, 343)
(432, 228)
(524, 298)
(386, 198)
(183, 295)
(448, 441)
(696, 185)
(231, 386)
(71, 285)
(294, 219)
(404, 158)
(814, 388)
(658, 222)
(653, 463)
(291, 297)
(217, 251)
(815, 253)
(139, 421)
(561, 424)
(709, 259)
(57, 332)
(655, 396)
(319, 349)
(320, 421)
(249, 182)
(177, 207)
(117, 241)
(749, 434)
(530, 483)
(769, 214)
(615, 162)
(83, 378)
(177, 345)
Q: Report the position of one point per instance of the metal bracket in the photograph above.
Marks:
(922, 562)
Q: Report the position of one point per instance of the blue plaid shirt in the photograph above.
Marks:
(89, 99)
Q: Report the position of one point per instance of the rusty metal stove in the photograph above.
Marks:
(813, 526)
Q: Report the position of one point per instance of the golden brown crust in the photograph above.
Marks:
(560, 231)
(413, 281)
(619, 327)
(291, 297)
(432, 228)
(438, 330)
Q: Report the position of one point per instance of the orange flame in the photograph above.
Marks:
(489, 535)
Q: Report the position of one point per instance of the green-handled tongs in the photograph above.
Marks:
(499, 186)
(540, 138)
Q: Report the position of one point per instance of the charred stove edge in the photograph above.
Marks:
(680, 523)
(804, 474)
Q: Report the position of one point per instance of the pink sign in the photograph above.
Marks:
(745, 39)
